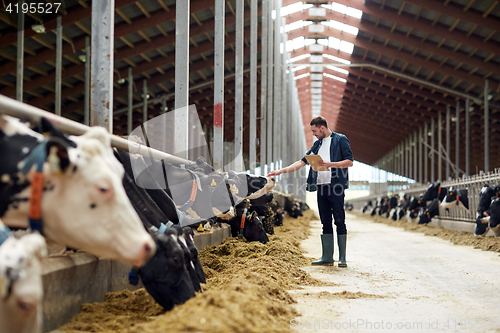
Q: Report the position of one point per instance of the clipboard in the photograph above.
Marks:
(313, 162)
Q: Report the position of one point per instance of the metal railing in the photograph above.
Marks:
(473, 184)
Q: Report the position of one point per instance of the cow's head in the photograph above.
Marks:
(165, 276)
(84, 205)
(487, 192)
(254, 230)
(21, 289)
(456, 197)
(494, 212)
(482, 224)
(251, 186)
(431, 211)
(434, 191)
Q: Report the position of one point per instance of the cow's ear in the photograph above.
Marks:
(57, 155)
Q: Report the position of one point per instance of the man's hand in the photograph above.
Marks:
(274, 173)
(326, 164)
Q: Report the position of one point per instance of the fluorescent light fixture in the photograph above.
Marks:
(297, 25)
(337, 59)
(344, 10)
(340, 70)
(121, 81)
(300, 57)
(38, 28)
(298, 68)
(301, 76)
(335, 77)
(82, 57)
(342, 27)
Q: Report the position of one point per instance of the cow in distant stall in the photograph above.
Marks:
(21, 288)
(487, 195)
(246, 224)
(435, 191)
(429, 212)
(494, 218)
(79, 200)
(367, 207)
(456, 198)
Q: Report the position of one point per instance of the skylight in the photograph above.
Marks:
(335, 77)
(340, 70)
(297, 25)
(342, 27)
(334, 58)
(344, 9)
(301, 76)
(293, 8)
(300, 57)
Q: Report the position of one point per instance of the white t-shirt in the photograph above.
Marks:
(325, 177)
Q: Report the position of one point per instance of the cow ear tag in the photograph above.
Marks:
(213, 183)
(233, 188)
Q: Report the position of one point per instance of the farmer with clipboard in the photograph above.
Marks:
(335, 156)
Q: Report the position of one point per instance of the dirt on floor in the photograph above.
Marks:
(246, 291)
(456, 237)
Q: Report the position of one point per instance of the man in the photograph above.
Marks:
(335, 150)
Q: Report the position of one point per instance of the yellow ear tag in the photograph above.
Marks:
(213, 183)
(233, 188)
(200, 228)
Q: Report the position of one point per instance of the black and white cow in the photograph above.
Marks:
(483, 214)
(456, 198)
(79, 198)
(435, 191)
(292, 208)
(367, 207)
(165, 276)
(21, 288)
(246, 224)
(429, 212)
(494, 219)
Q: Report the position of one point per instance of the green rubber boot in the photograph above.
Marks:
(327, 256)
(342, 240)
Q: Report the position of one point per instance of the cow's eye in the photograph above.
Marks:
(93, 205)
(103, 189)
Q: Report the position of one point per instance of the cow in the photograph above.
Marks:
(429, 212)
(348, 206)
(456, 197)
(261, 206)
(367, 206)
(188, 236)
(292, 208)
(79, 198)
(278, 212)
(413, 209)
(435, 191)
(187, 257)
(21, 289)
(165, 276)
(494, 219)
(483, 214)
(247, 225)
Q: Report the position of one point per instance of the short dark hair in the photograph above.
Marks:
(319, 121)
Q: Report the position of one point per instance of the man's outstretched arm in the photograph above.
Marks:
(291, 168)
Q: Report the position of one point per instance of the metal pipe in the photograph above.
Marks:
(238, 91)
(145, 101)
(219, 46)
(426, 156)
(32, 114)
(253, 85)
(277, 86)
(440, 144)
(420, 157)
(270, 79)
(86, 102)
(433, 161)
(457, 140)
(263, 87)
(130, 100)
(409, 157)
(448, 152)
(58, 65)
(486, 128)
(102, 61)
(20, 54)
(164, 126)
(467, 137)
(181, 132)
(284, 94)
(415, 161)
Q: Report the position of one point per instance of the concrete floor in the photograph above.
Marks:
(408, 282)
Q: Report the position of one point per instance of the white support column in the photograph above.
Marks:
(86, 115)
(486, 128)
(58, 73)
(20, 54)
(426, 155)
(420, 157)
(102, 62)
(219, 47)
(433, 160)
(253, 86)
(263, 87)
(457, 140)
(270, 82)
(182, 16)
(238, 100)
(145, 101)
(467, 137)
(440, 144)
(277, 86)
(130, 100)
(448, 130)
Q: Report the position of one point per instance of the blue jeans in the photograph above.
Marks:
(331, 203)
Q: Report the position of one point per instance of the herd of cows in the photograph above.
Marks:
(425, 207)
(79, 192)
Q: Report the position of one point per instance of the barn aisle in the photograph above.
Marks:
(399, 281)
